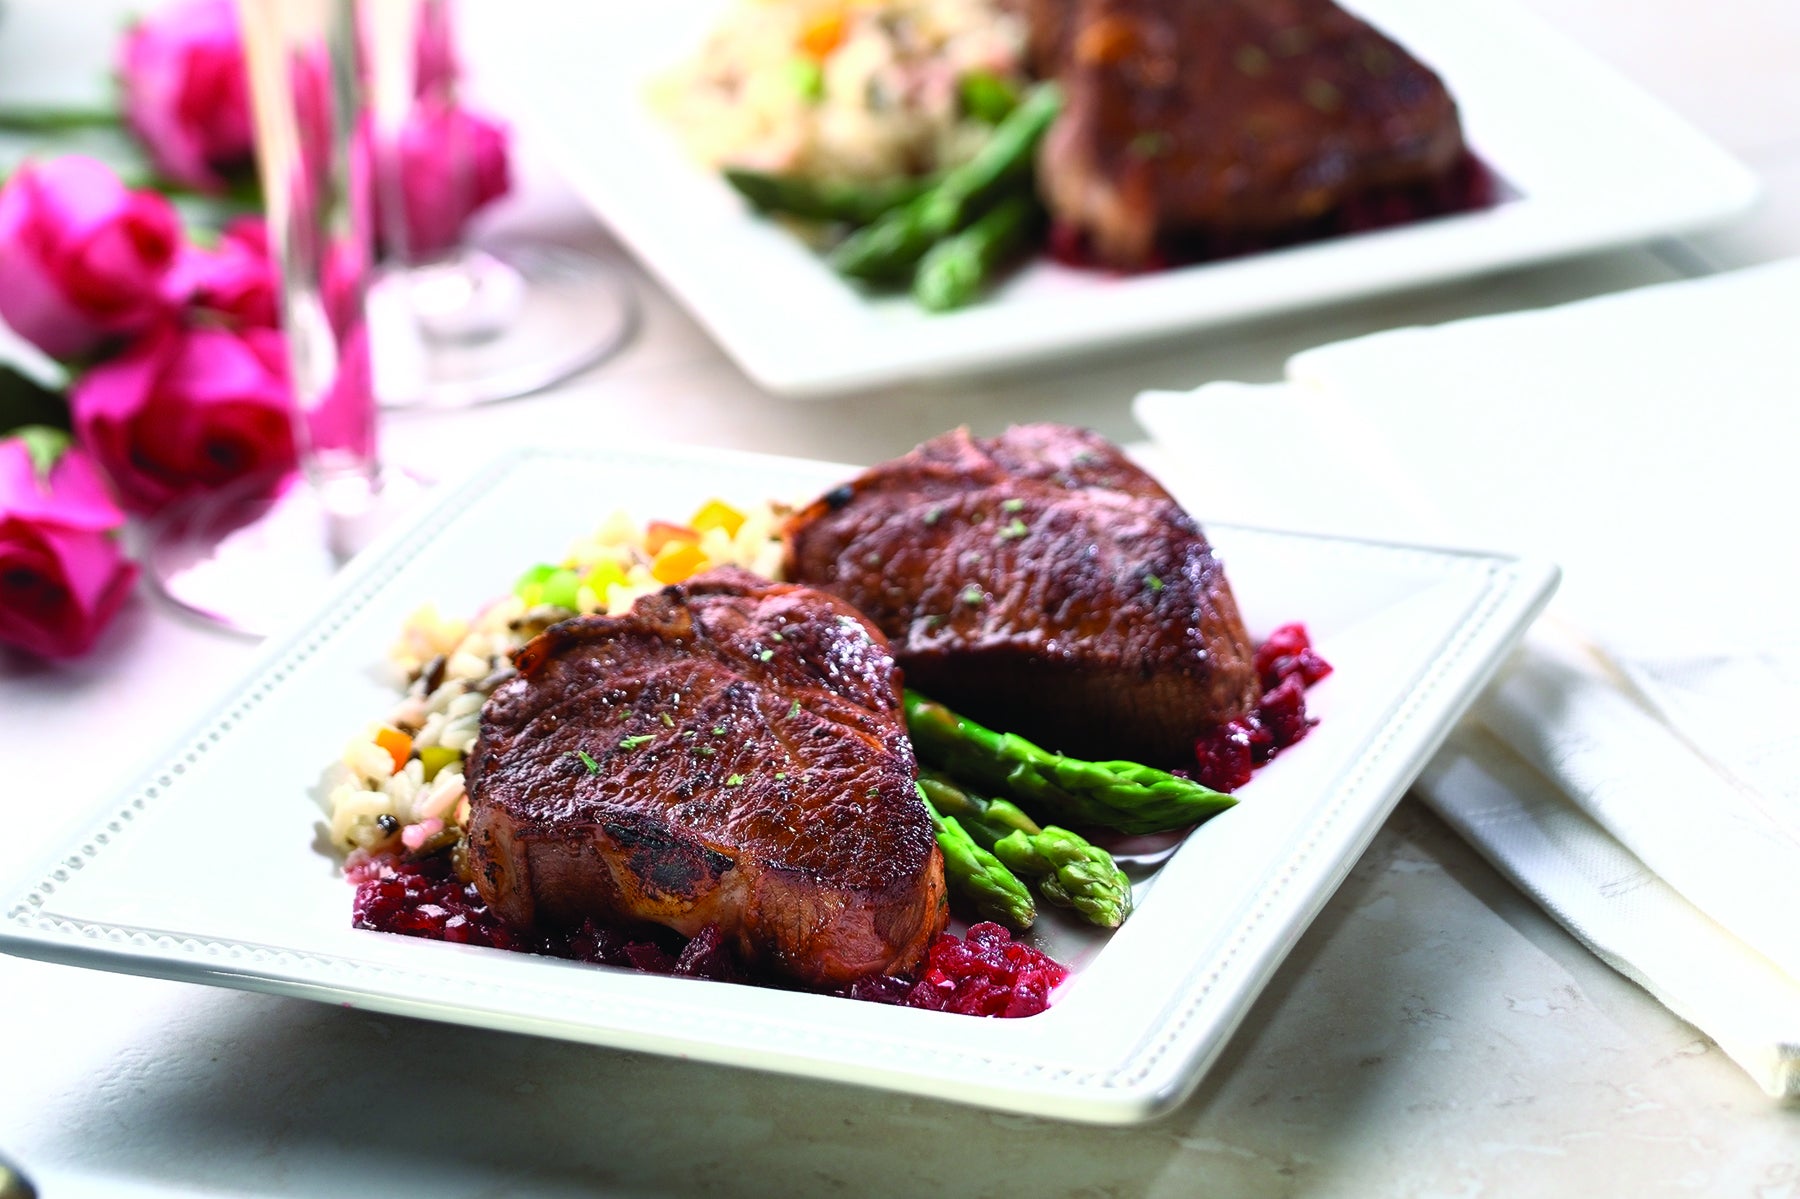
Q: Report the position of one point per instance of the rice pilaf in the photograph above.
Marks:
(843, 89)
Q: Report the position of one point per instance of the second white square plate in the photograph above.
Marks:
(1587, 161)
(208, 868)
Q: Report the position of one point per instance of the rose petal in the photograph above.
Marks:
(74, 497)
(59, 588)
(81, 256)
(31, 299)
(186, 92)
(187, 410)
(105, 403)
(116, 272)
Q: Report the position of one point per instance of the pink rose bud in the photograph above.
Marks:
(82, 257)
(188, 410)
(186, 92)
(62, 577)
(452, 164)
(235, 280)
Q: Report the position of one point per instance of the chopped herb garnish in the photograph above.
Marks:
(765, 655)
(973, 594)
(718, 730)
(774, 636)
(627, 743)
(1251, 60)
(705, 751)
(735, 780)
(1014, 530)
(592, 766)
(1322, 95)
(1153, 583)
(781, 774)
(668, 721)
(932, 515)
(793, 709)
(1012, 505)
(933, 621)
(1149, 144)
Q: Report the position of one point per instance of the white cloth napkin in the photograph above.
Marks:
(1637, 768)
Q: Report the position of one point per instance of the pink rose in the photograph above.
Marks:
(188, 410)
(186, 92)
(82, 257)
(452, 163)
(62, 577)
(235, 280)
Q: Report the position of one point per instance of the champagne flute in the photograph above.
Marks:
(251, 556)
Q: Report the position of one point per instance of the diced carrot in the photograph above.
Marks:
(397, 744)
(676, 561)
(659, 533)
(823, 33)
(716, 514)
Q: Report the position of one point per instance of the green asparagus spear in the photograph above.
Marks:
(891, 246)
(1065, 869)
(1127, 796)
(956, 268)
(978, 875)
(820, 200)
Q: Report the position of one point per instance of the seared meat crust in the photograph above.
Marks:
(746, 765)
(1041, 583)
(1228, 117)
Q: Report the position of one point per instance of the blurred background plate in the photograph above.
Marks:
(1586, 162)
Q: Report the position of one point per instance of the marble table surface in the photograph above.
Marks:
(1431, 1034)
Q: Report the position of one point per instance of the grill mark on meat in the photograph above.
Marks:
(1042, 583)
(750, 769)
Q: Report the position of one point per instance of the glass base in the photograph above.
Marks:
(495, 324)
(259, 555)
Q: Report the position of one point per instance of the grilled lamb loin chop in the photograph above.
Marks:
(746, 765)
(1222, 119)
(1040, 583)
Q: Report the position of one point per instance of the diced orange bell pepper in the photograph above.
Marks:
(397, 744)
(659, 533)
(823, 33)
(717, 514)
(677, 561)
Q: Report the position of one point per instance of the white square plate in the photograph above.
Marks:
(1587, 162)
(208, 868)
